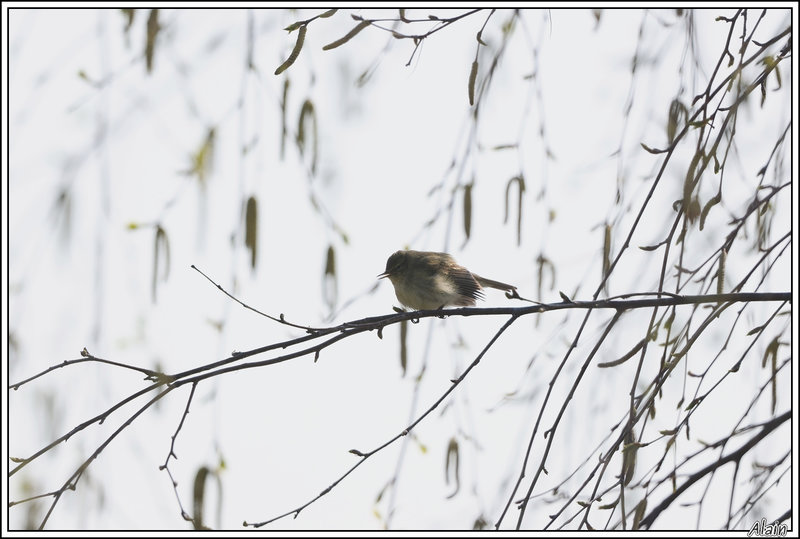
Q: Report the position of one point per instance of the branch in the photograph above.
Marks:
(340, 332)
(365, 456)
(731, 457)
(87, 357)
(549, 433)
(72, 482)
(172, 454)
(280, 319)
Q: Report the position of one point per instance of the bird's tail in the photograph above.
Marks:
(488, 283)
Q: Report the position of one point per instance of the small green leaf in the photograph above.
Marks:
(694, 403)
(710, 204)
(251, 229)
(153, 28)
(307, 113)
(294, 26)
(161, 245)
(520, 181)
(298, 45)
(755, 330)
(652, 150)
(641, 507)
(451, 462)
(330, 262)
(467, 209)
(199, 497)
(473, 74)
(650, 247)
(629, 453)
(678, 113)
(347, 37)
(129, 14)
(632, 352)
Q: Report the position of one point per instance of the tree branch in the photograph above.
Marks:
(768, 428)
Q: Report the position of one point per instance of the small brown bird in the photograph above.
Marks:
(426, 280)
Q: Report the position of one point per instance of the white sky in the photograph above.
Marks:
(284, 431)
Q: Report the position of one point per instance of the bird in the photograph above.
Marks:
(427, 280)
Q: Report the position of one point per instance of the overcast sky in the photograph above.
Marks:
(101, 150)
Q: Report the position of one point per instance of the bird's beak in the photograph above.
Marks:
(384, 274)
